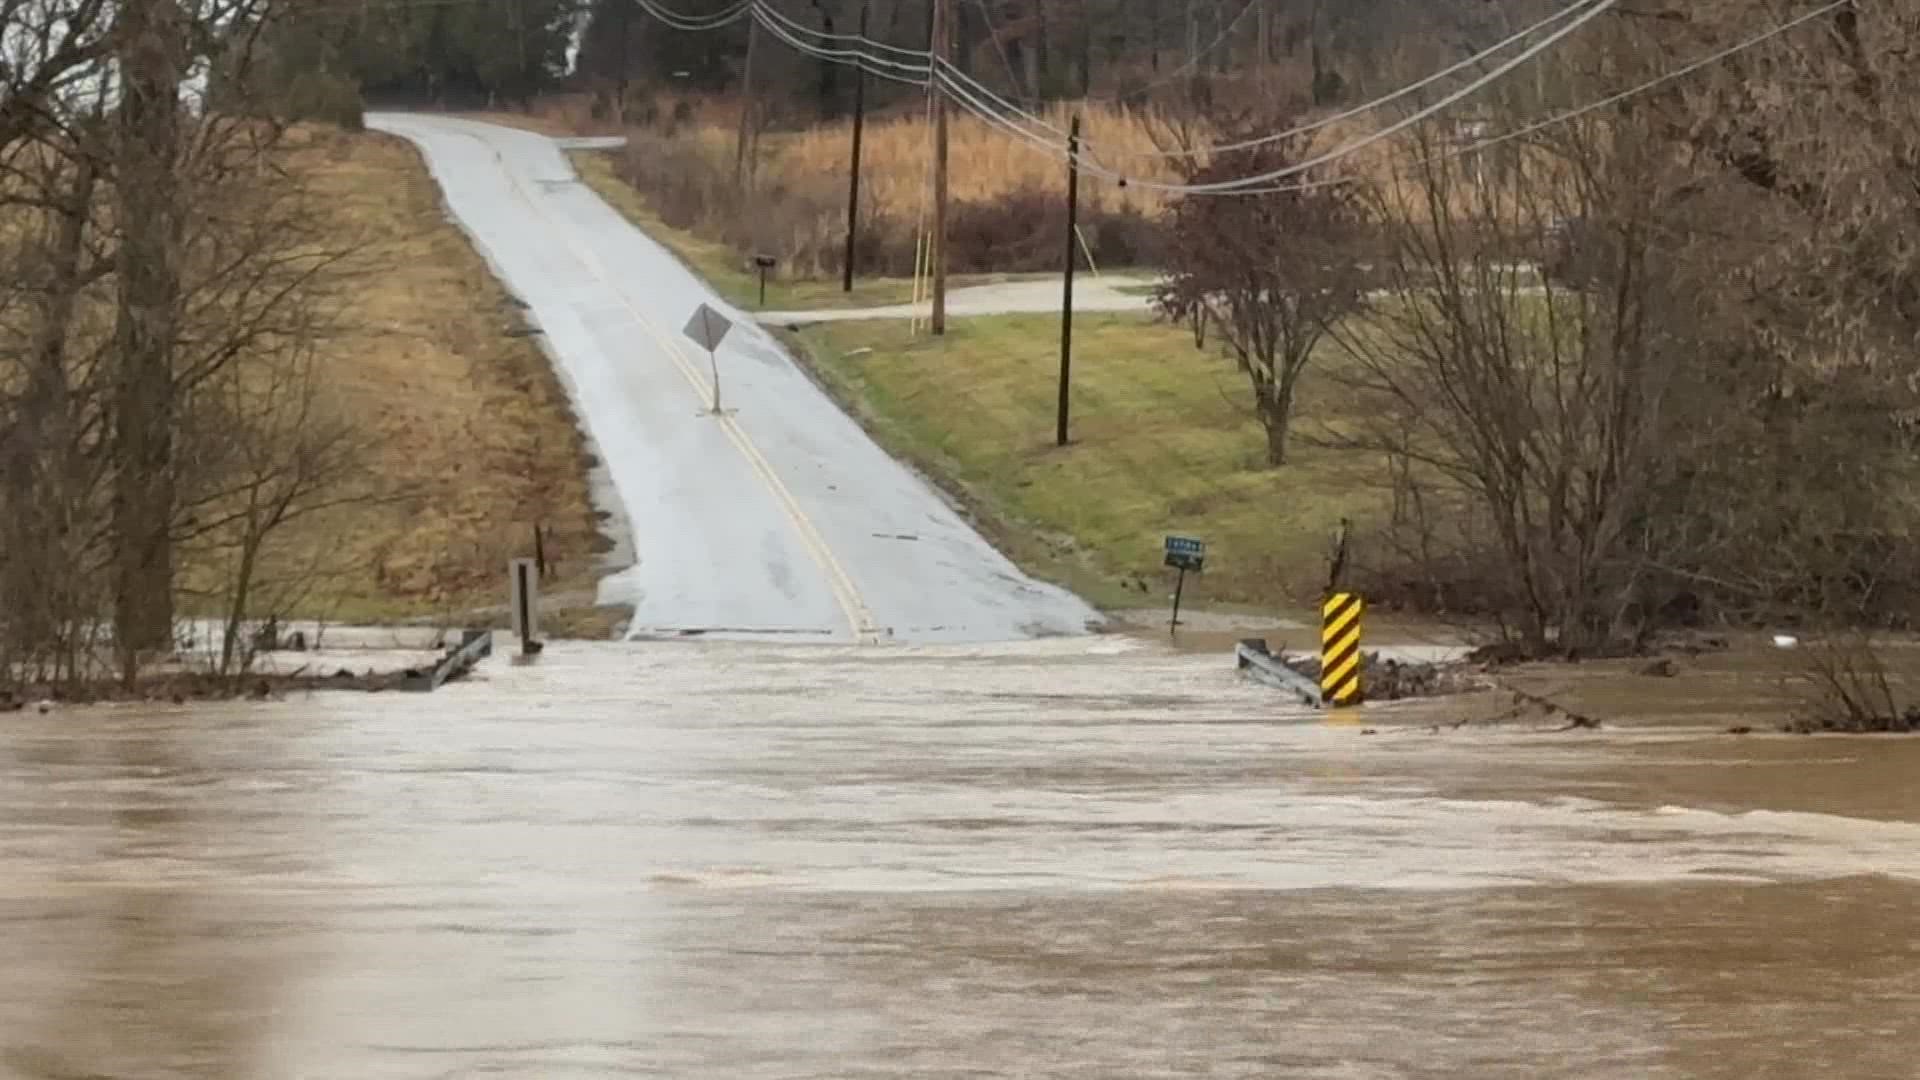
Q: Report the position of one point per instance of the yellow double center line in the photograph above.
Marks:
(859, 617)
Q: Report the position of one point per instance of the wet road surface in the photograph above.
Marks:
(1080, 858)
(777, 518)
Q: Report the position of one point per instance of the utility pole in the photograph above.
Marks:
(1066, 303)
(740, 173)
(853, 184)
(941, 46)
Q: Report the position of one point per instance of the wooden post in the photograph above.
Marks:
(1066, 303)
(741, 174)
(523, 588)
(853, 183)
(942, 39)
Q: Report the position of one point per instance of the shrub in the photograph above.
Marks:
(333, 99)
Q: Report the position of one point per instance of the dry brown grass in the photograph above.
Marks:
(987, 163)
(469, 423)
(677, 180)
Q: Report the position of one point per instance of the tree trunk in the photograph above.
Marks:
(829, 74)
(965, 36)
(1223, 55)
(624, 62)
(1276, 416)
(242, 586)
(1032, 56)
(1044, 88)
(146, 181)
(1153, 35)
(1086, 48)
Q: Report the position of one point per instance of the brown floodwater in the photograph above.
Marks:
(1094, 859)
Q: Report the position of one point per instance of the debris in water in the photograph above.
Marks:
(1391, 680)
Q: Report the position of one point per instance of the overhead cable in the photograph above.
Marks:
(1566, 116)
(1093, 146)
(697, 23)
(1344, 150)
(802, 28)
(880, 67)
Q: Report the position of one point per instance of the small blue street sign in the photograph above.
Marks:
(1186, 553)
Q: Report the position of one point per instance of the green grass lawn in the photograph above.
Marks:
(729, 272)
(1162, 442)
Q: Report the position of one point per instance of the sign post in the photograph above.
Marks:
(764, 263)
(1183, 554)
(1340, 660)
(708, 328)
(523, 580)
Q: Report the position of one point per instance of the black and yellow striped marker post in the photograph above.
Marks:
(1340, 650)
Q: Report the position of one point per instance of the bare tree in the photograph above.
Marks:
(1269, 273)
(52, 345)
(47, 48)
(163, 263)
(273, 450)
(1545, 406)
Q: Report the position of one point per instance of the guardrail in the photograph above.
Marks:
(1252, 657)
(475, 646)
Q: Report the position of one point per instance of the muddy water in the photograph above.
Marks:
(1077, 859)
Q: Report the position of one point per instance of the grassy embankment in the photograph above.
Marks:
(471, 432)
(1161, 442)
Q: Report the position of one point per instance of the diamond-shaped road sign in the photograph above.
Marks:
(708, 327)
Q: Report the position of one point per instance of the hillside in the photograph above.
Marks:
(472, 435)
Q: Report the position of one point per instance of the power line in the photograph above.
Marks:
(768, 9)
(1689, 68)
(1304, 129)
(1344, 150)
(980, 101)
(1377, 103)
(898, 71)
(696, 23)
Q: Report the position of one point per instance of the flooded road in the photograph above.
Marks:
(1071, 858)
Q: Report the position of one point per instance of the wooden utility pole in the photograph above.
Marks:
(1066, 303)
(853, 184)
(741, 176)
(942, 39)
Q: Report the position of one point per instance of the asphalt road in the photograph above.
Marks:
(778, 518)
(1004, 298)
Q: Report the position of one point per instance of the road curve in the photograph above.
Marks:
(777, 519)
